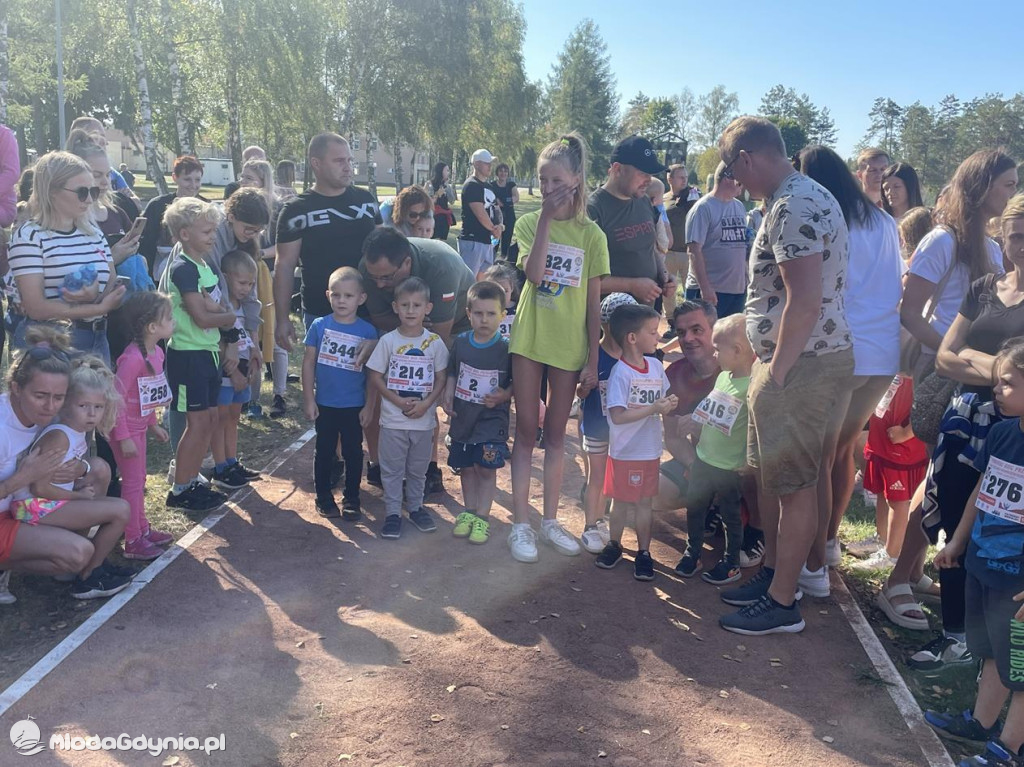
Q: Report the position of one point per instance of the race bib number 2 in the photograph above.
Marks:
(1002, 491)
(407, 373)
(154, 391)
(473, 384)
(564, 265)
(338, 350)
(718, 410)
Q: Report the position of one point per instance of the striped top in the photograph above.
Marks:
(34, 250)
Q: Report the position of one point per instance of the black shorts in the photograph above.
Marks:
(992, 631)
(194, 377)
(489, 455)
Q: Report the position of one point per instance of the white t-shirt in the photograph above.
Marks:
(410, 366)
(78, 448)
(631, 388)
(15, 439)
(931, 260)
(873, 291)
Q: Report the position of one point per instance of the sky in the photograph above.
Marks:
(842, 54)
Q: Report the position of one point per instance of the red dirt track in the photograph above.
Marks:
(303, 640)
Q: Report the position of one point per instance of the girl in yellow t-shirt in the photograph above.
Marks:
(556, 330)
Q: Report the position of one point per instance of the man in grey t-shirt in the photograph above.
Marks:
(716, 238)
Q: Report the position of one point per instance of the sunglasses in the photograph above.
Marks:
(416, 215)
(727, 170)
(85, 192)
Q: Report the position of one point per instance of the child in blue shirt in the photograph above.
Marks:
(991, 533)
(334, 391)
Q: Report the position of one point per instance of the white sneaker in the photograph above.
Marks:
(6, 597)
(575, 409)
(877, 561)
(552, 533)
(596, 538)
(170, 472)
(208, 464)
(866, 547)
(523, 543)
(752, 557)
(814, 582)
(833, 554)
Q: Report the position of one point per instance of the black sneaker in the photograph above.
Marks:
(350, 510)
(643, 566)
(373, 474)
(249, 474)
(230, 478)
(583, 495)
(211, 495)
(540, 438)
(109, 568)
(99, 584)
(751, 591)
(195, 498)
(279, 408)
(327, 508)
(765, 616)
(963, 728)
(996, 755)
(668, 335)
(689, 565)
(610, 555)
(337, 472)
(423, 520)
(392, 526)
(941, 651)
(435, 482)
(721, 574)
(293, 378)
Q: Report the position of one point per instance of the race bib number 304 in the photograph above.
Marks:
(407, 373)
(338, 350)
(474, 384)
(718, 410)
(564, 265)
(154, 391)
(643, 392)
(1002, 491)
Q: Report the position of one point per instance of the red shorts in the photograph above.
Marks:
(631, 481)
(894, 483)
(9, 527)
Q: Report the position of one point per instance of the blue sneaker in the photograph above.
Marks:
(963, 728)
(753, 590)
(995, 755)
(765, 616)
(392, 527)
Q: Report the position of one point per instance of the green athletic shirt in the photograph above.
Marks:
(188, 276)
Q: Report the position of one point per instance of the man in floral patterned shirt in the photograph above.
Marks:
(796, 323)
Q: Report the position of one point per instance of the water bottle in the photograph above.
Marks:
(82, 277)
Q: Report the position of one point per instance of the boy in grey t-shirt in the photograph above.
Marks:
(476, 396)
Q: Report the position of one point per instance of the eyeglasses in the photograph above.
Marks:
(416, 215)
(727, 170)
(85, 192)
(386, 279)
(252, 231)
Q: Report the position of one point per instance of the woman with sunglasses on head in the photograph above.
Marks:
(60, 261)
(413, 213)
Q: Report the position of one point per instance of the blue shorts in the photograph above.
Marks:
(228, 396)
(489, 455)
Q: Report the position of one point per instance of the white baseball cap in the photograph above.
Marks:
(482, 155)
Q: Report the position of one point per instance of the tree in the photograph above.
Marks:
(5, 66)
(183, 145)
(152, 165)
(582, 93)
(886, 116)
(792, 133)
(685, 112)
(715, 110)
(816, 125)
(632, 120)
(704, 165)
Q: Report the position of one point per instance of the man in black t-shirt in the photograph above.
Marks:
(624, 212)
(320, 230)
(481, 216)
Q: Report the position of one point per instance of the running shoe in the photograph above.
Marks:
(880, 560)
(142, 549)
(995, 755)
(463, 524)
(522, 542)
(764, 616)
(230, 478)
(480, 532)
(963, 727)
(434, 480)
(279, 408)
(158, 537)
(327, 508)
(249, 474)
(596, 536)
(195, 498)
(351, 511)
(610, 556)
(6, 597)
(833, 553)
(99, 584)
(753, 555)
(941, 651)
(814, 582)
(422, 519)
(643, 566)
(392, 526)
(556, 536)
(721, 574)
(689, 565)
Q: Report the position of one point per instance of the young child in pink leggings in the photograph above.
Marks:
(143, 385)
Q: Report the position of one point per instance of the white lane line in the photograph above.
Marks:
(925, 737)
(74, 640)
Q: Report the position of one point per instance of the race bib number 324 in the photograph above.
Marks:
(564, 265)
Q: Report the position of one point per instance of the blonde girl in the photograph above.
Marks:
(556, 331)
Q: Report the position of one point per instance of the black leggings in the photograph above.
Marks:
(332, 423)
(954, 487)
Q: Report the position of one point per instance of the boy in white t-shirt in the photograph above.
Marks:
(408, 368)
(637, 397)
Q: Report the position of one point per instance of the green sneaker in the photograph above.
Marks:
(464, 524)
(481, 531)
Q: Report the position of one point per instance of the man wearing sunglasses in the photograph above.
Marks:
(797, 326)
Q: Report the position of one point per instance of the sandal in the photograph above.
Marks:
(924, 591)
(897, 613)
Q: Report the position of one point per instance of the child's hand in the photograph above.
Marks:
(160, 433)
(86, 492)
(418, 410)
(588, 380)
(947, 558)
(230, 365)
(366, 416)
(312, 412)
(238, 381)
(128, 448)
(494, 399)
(667, 404)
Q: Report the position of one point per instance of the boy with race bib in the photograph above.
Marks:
(408, 369)
(637, 398)
(334, 391)
(721, 453)
(991, 532)
(476, 397)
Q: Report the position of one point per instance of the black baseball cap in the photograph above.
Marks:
(638, 152)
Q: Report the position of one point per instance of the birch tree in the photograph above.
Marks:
(146, 112)
(174, 70)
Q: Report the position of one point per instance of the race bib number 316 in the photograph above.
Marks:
(718, 410)
(1002, 491)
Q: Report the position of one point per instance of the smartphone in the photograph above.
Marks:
(122, 280)
(137, 227)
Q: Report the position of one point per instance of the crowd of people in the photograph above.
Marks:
(838, 323)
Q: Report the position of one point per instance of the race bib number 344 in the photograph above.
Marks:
(407, 373)
(1002, 490)
(338, 350)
